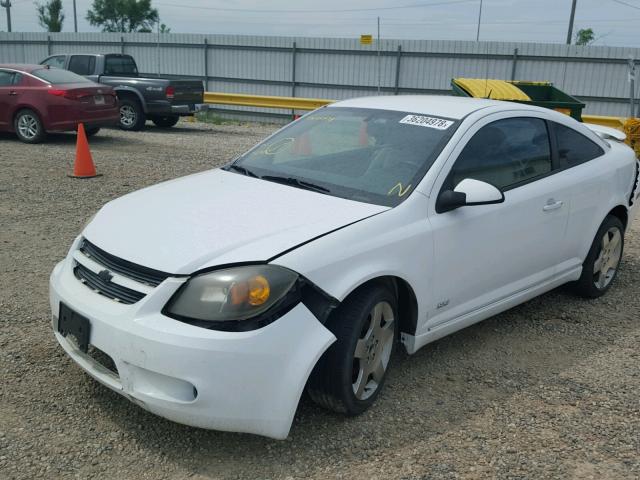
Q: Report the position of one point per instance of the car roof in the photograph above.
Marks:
(23, 67)
(439, 105)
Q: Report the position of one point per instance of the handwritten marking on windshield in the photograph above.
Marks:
(277, 146)
(401, 192)
(321, 118)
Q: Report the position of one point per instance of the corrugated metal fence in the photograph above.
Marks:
(341, 68)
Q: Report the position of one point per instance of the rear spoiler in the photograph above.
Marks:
(606, 133)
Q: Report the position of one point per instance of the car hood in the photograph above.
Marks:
(216, 218)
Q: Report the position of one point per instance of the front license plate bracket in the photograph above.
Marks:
(74, 324)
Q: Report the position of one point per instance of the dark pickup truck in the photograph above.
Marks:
(160, 100)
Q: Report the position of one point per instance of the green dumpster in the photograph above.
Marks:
(542, 94)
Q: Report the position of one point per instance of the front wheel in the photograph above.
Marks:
(351, 373)
(166, 121)
(28, 127)
(601, 265)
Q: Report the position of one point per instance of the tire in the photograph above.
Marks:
(351, 373)
(166, 121)
(132, 116)
(28, 126)
(601, 266)
(91, 131)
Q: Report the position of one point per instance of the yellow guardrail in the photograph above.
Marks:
(265, 101)
(613, 122)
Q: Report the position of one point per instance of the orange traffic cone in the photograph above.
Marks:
(84, 167)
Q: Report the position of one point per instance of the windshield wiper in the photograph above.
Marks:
(295, 182)
(243, 170)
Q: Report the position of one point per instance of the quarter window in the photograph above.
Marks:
(574, 148)
(505, 153)
(82, 64)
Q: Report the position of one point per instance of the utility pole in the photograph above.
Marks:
(75, 17)
(573, 16)
(479, 20)
(632, 85)
(379, 66)
(7, 4)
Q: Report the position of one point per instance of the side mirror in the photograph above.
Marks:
(468, 192)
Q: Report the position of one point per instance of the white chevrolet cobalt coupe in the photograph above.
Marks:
(215, 299)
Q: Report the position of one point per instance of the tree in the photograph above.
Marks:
(50, 15)
(585, 36)
(164, 28)
(123, 15)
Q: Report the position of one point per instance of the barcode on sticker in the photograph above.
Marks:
(430, 122)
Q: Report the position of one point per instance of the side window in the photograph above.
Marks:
(82, 64)
(57, 61)
(504, 153)
(574, 148)
(6, 78)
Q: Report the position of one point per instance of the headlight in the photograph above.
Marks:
(228, 297)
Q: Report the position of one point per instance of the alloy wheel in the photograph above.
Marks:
(373, 351)
(28, 126)
(127, 115)
(606, 264)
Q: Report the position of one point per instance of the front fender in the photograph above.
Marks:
(141, 99)
(395, 243)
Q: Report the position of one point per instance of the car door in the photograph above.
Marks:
(8, 97)
(487, 253)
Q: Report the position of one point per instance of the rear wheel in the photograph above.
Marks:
(131, 115)
(28, 126)
(91, 131)
(166, 121)
(601, 265)
(351, 373)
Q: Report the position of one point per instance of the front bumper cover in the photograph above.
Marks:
(235, 381)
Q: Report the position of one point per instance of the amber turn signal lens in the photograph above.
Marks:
(259, 290)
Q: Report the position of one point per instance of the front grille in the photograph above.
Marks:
(106, 288)
(135, 272)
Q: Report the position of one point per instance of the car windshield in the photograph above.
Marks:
(56, 76)
(367, 155)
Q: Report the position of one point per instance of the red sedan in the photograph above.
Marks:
(36, 99)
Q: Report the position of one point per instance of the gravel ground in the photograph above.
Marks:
(549, 389)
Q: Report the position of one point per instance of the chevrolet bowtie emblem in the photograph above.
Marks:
(105, 275)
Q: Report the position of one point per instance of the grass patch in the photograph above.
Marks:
(212, 118)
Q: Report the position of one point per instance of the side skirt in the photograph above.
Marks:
(414, 343)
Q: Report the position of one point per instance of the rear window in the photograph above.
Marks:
(82, 64)
(117, 65)
(55, 76)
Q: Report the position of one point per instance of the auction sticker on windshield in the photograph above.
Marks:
(431, 122)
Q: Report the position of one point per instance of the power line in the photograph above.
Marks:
(370, 9)
(626, 4)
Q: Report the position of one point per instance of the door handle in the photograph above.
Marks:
(13, 92)
(552, 205)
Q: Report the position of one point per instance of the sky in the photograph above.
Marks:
(615, 22)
